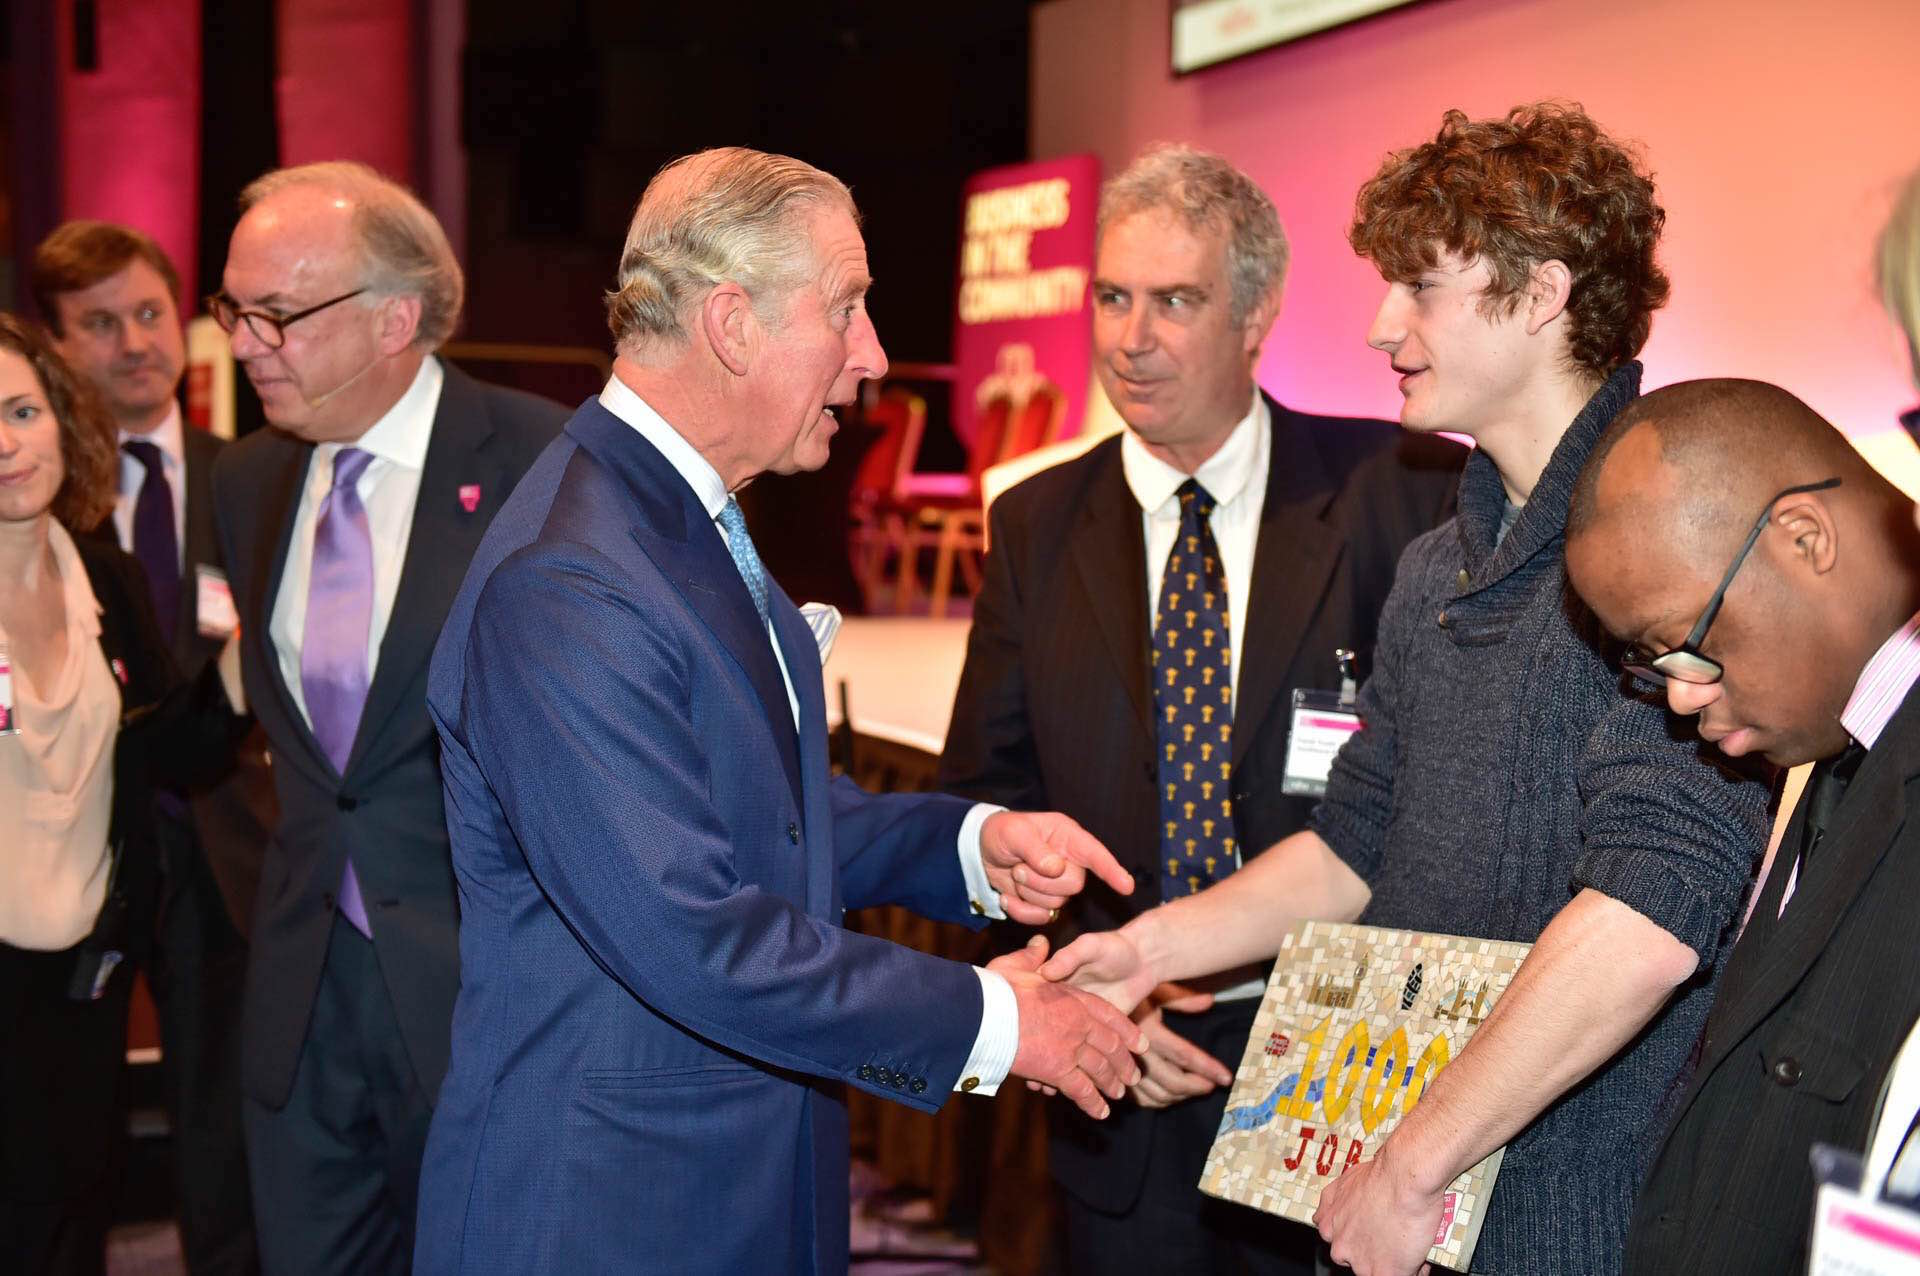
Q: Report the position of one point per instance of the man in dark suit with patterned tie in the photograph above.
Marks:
(1148, 609)
(109, 295)
(346, 529)
(1769, 579)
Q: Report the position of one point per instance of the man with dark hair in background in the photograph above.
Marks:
(110, 297)
(1768, 579)
(1502, 786)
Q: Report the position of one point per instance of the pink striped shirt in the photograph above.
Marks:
(1883, 684)
(1880, 691)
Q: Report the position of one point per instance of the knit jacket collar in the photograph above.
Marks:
(1543, 522)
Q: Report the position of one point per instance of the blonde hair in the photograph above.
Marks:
(1898, 262)
(728, 214)
(405, 252)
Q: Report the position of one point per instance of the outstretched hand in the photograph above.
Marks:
(1070, 1041)
(1106, 963)
(1039, 860)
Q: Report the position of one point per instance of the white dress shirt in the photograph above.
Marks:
(388, 488)
(1236, 478)
(999, 1037)
(167, 436)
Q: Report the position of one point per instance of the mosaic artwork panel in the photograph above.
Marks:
(1355, 1023)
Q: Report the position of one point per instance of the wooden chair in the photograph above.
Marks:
(877, 522)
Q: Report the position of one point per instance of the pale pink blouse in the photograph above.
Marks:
(56, 781)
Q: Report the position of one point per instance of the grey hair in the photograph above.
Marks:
(1206, 192)
(404, 251)
(727, 214)
(1897, 259)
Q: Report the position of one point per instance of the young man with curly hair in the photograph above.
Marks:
(1503, 786)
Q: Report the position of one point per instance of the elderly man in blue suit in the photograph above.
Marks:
(659, 1007)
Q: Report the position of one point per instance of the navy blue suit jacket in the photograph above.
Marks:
(659, 1007)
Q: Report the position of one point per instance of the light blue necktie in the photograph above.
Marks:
(740, 545)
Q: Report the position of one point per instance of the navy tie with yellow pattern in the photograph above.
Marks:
(1193, 705)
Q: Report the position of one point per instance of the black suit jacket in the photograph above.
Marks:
(386, 810)
(1812, 1009)
(1054, 710)
(233, 812)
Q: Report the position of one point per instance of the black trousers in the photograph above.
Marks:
(199, 980)
(1174, 1226)
(62, 1114)
(336, 1172)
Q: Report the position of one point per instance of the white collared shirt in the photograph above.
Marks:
(389, 488)
(169, 438)
(1236, 478)
(999, 1036)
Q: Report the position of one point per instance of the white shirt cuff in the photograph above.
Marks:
(998, 1039)
(984, 900)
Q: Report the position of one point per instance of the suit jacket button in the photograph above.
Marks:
(1443, 620)
(866, 1072)
(970, 1085)
(1786, 1071)
(919, 1085)
(346, 803)
(793, 832)
(1465, 578)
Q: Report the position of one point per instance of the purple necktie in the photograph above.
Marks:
(155, 542)
(333, 651)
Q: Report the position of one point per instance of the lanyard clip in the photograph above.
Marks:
(1343, 660)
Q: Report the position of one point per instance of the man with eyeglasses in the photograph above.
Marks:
(1768, 579)
(346, 529)
(109, 295)
(1502, 787)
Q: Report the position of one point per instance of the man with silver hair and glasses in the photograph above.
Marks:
(660, 1010)
(1296, 522)
(345, 529)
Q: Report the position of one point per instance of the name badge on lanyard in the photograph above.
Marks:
(9, 717)
(1323, 721)
(1857, 1231)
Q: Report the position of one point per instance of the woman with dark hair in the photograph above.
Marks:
(92, 716)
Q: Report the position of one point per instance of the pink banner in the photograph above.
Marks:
(130, 128)
(1024, 333)
(347, 72)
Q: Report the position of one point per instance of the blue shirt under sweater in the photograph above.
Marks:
(1502, 770)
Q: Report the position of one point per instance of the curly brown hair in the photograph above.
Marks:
(1542, 184)
(88, 449)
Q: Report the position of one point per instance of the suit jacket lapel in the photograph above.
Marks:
(441, 543)
(1775, 955)
(279, 500)
(201, 545)
(1108, 550)
(683, 543)
(1293, 559)
(802, 654)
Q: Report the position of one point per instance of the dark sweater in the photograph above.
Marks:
(1501, 771)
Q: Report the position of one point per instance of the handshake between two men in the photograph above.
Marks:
(1076, 1034)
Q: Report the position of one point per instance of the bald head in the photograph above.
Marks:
(1660, 515)
(1696, 461)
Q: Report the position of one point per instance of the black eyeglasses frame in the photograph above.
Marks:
(227, 313)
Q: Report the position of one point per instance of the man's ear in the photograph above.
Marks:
(1808, 522)
(396, 323)
(730, 326)
(1260, 321)
(1549, 285)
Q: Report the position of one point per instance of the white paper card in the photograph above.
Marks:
(1322, 722)
(213, 603)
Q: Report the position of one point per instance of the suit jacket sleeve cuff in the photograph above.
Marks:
(998, 1039)
(984, 899)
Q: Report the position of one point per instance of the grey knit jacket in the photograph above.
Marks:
(1503, 769)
